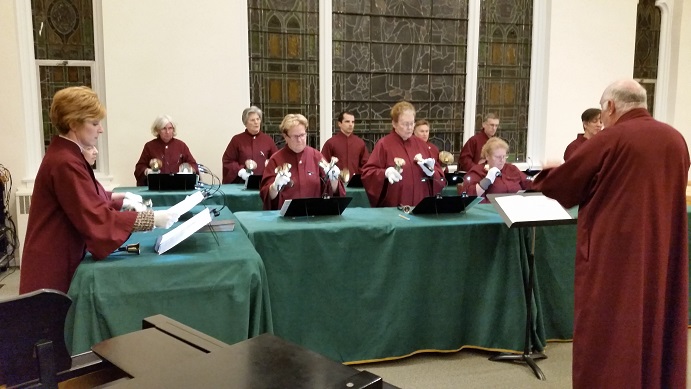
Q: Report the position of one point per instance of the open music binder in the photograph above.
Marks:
(315, 206)
(175, 181)
(529, 209)
(445, 204)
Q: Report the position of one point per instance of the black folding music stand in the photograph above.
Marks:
(537, 210)
(174, 181)
(315, 206)
(253, 182)
(443, 204)
(355, 181)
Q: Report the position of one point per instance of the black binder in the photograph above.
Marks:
(355, 181)
(315, 206)
(174, 181)
(443, 204)
(254, 181)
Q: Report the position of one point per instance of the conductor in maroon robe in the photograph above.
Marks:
(592, 125)
(295, 171)
(496, 176)
(68, 208)
(631, 283)
(349, 148)
(471, 153)
(170, 151)
(250, 145)
(401, 169)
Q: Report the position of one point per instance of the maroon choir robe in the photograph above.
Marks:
(309, 179)
(471, 153)
(631, 282)
(434, 150)
(67, 213)
(512, 180)
(415, 184)
(350, 151)
(242, 147)
(573, 146)
(172, 154)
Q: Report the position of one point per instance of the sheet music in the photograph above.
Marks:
(531, 208)
(285, 206)
(187, 204)
(171, 238)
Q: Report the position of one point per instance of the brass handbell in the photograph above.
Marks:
(185, 168)
(250, 165)
(130, 248)
(155, 164)
(345, 175)
(445, 158)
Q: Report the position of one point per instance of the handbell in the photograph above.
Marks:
(185, 168)
(130, 248)
(250, 165)
(155, 164)
(445, 157)
(345, 175)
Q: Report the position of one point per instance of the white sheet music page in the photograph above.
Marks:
(531, 208)
(187, 204)
(171, 238)
(285, 206)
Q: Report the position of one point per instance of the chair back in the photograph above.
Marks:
(26, 320)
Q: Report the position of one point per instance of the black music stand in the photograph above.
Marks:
(253, 182)
(355, 181)
(443, 204)
(528, 210)
(454, 178)
(315, 206)
(174, 181)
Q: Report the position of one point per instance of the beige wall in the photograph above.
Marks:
(682, 102)
(187, 60)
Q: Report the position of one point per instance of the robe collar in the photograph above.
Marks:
(633, 114)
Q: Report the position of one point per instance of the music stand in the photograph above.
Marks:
(444, 204)
(174, 181)
(454, 178)
(528, 210)
(315, 206)
(355, 181)
(254, 181)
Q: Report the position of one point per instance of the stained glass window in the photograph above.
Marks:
(504, 70)
(63, 32)
(284, 62)
(388, 51)
(647, 47)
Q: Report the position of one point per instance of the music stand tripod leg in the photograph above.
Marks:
(528, 355)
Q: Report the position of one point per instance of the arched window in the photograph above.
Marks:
(646, 56)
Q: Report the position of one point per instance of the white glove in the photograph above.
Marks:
(425, 164)
(150, 171)
(332, 174)
(493, 173)
(281, 180)
(244, 174)
(164, 219)
(131, 205)
(134, 197)
(393, 175)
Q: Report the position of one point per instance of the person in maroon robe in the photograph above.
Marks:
(126, 201)
(349, 148)
(304, 177)
(631, 281)
(496, 176)
(591, 126)
(421, 130)
(401, 169)
(471, 153)
(251, 145)
(168, 150)
(68, 210)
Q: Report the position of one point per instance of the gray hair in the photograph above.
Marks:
(160, 122)
(627, 94)
(247, 111)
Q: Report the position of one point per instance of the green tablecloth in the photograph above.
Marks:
(369, 284)
(219, 290)
(237, 198)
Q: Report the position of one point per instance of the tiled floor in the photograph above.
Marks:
(10, 283)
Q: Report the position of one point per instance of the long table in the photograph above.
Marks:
(237, 198)
(219, 289)
(370, 284)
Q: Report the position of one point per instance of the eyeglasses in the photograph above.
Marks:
(407, 124)
(499, 156)
(298, 137)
